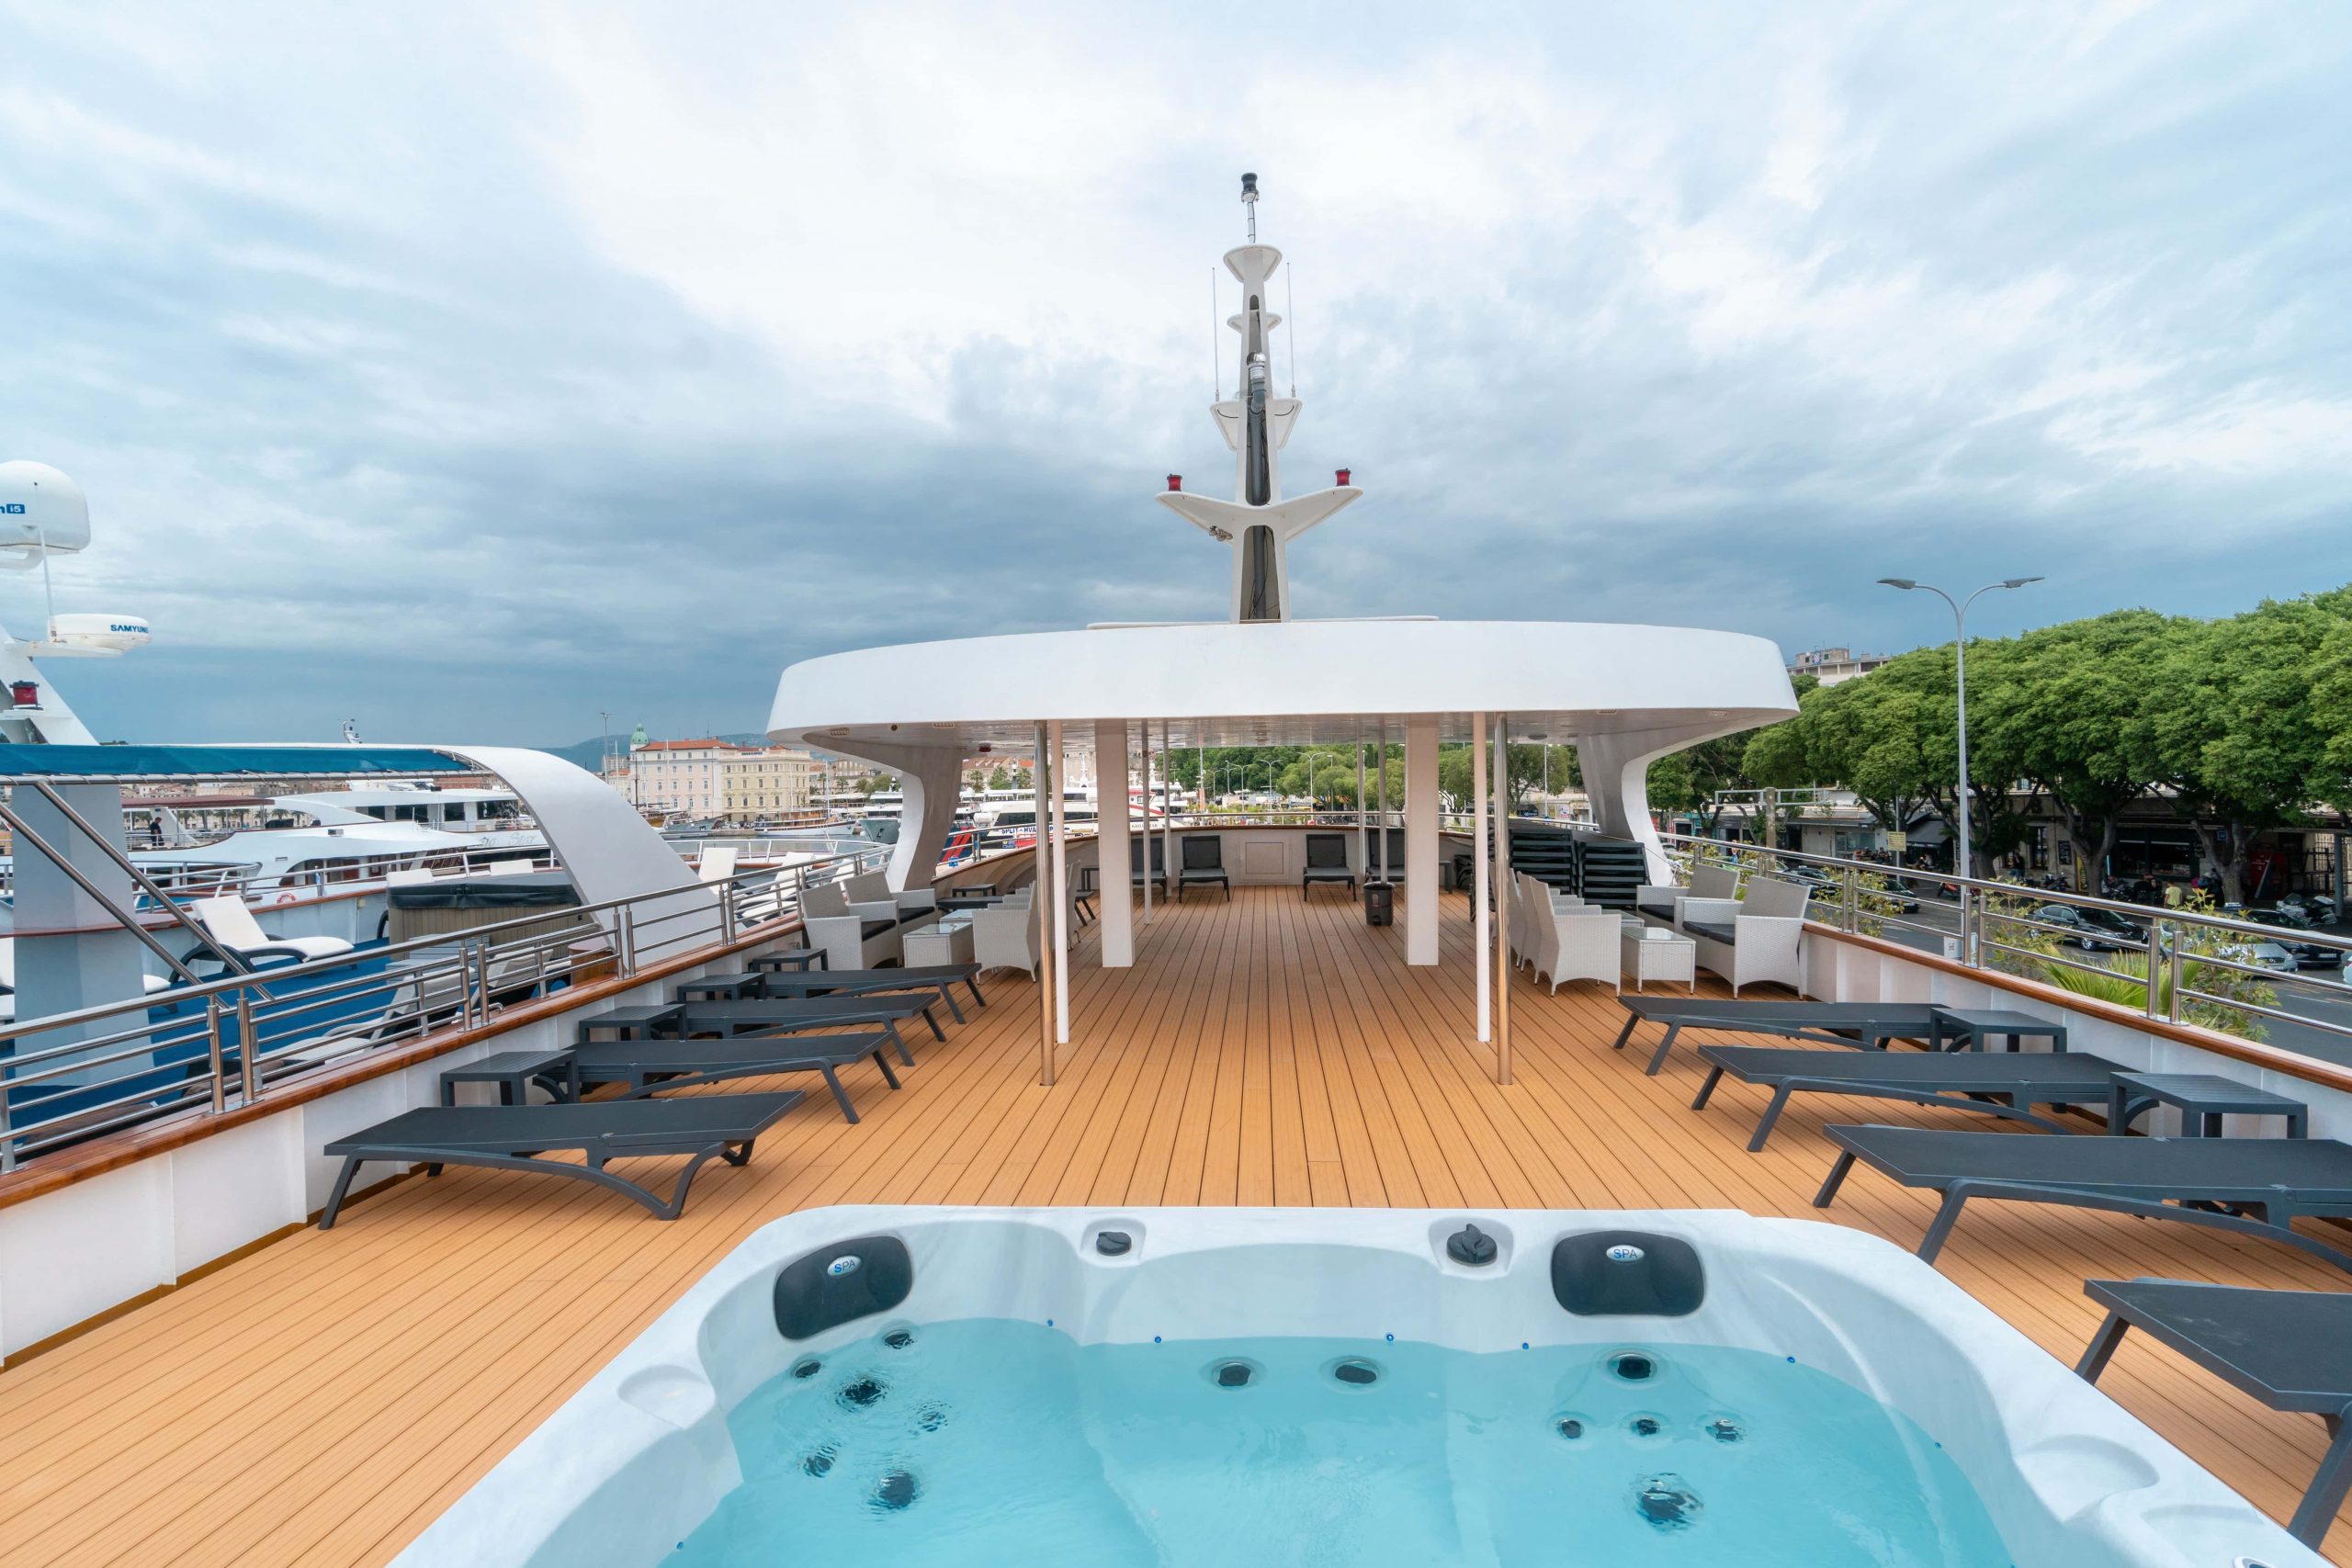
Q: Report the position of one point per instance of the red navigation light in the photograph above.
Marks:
(1175, 481)
(24, 693)
(1344, 473)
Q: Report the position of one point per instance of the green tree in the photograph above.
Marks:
(2332, 713)
(1528, 764)
(1691, 782)
(2230, 726)
(2068, 703)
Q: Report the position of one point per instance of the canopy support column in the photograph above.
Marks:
(1167, 816)
(1043, 901)
(1112, 834)
(1380, 837)
(1481, 880)
(1061, 896)
(1421, 840)
(1362, 845)
(1502, 897)
(1616, 780)
(1144, 853)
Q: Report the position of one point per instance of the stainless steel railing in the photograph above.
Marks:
(231, 1040)
(2185, 965)
(186, 880)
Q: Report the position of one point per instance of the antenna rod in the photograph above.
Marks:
(1250, 200)
(1217, 376)
(1290, 305)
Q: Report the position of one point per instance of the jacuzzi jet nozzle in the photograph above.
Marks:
(1471, 1247)
(1668, 1502)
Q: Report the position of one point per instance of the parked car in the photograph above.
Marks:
(2113, 924)
(1829, 887)
(2268, 955)
(2093, 930)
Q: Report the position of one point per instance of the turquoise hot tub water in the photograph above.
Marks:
(984, 1440)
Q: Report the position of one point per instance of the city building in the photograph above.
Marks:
(1831, 665)
(721, 780)
(760, 783)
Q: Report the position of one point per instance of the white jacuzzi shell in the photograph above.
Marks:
(2070, 1479)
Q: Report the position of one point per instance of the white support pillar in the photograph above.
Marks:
(1482, 878)
(1043, 899)
(1114, 896)
(1146, 841)
(1616, 780)
(1380, 834)
(932, 784)
(1166, 817)
(1502, 899)
(1061, 890)
(1362, 845)
(1420, 839)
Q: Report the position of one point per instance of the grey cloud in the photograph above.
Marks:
(374, 427)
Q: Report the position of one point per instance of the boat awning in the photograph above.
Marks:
(1294, 683)
(118, 764)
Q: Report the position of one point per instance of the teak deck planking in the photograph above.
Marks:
(321, 1400)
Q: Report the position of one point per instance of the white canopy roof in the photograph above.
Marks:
(1290, 682)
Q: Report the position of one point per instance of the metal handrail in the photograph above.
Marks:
(422, 984)
(1994, 917)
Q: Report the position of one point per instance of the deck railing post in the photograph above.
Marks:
(248, 1047)
(726, 913)
(2156, 963)
(212, 1053)
(2176, 963)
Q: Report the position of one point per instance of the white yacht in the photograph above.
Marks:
(360, 833)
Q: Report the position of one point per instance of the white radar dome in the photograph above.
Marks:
(99, 634)
(39, 509)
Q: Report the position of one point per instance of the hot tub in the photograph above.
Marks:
(1177, 1386)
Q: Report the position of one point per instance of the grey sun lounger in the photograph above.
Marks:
(647, 1066)
(938, 977)
(510, 1137)
(787, 1015)
(2000, 1083)
(1830, 1023)
(2290, 1349)
(2253, 1186)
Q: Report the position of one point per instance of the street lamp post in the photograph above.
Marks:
(1966, 863)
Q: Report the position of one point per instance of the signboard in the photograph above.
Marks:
(1898, 841)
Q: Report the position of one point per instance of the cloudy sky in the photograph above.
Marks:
(466, 370)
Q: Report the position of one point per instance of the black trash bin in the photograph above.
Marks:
(1379, 903)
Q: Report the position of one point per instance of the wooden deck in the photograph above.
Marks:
(321, 1400)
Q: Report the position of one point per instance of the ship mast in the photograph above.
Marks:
(1257, 524)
